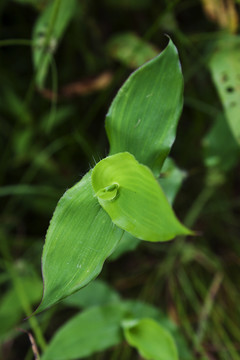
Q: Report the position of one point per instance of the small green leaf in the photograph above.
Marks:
(143, 116)
(79, 239)
(225, 68)
(93, 330)
(139, 310)
(49, 28)
(151, 340)
(131, 50)
(139, 205)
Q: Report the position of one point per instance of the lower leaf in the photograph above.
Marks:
(93, 330)
(80, 237)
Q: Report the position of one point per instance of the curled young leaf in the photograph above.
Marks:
(134, 200)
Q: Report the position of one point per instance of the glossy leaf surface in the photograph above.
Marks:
(133, 199)
(143, 116)
(80, 237)
(151, 340)
(94, 330)
(225, 69)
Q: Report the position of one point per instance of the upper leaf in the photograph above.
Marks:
(80, 237)
(134, 200)
(143, 116)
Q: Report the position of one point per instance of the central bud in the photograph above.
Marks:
(109, 192)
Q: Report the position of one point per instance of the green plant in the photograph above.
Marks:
(120, 197)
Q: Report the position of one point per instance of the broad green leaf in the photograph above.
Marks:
(80, 237)
(94, 330)
(95, 293)
(171, 179)
(225, 69)
(220, 148)
(49, 28)
(134, 200)
(151, 340)
(130, 49)
(143, 116)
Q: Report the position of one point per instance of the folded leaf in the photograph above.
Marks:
(143, 116)
(80, 237)
(134, 200)
(151, 340)
(170, 181)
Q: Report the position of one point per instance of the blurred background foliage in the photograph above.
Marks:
(61, 63)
